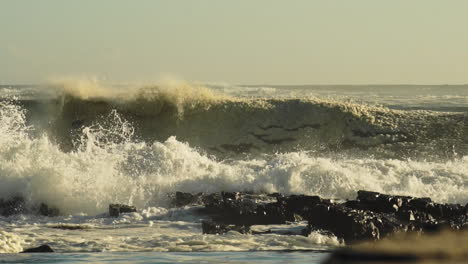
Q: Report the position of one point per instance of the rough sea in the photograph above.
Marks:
(81, 145)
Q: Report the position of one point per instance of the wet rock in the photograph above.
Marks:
(240, 209)
(40, 249)
(377, 202)
(370, 217)
(349, 224)
(181, 199)
(296, 206)
(13, 205)
(210, 227)
(71, 227)
(116, 209)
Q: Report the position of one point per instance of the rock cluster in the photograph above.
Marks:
(370, 217)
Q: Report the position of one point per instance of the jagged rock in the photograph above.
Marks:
(210, 227)
(116, 209)
(372, 216)
(377, 202)
(297, 206)
(238, 209)
(346, 223)
(40, 249)
(182, 199)
(13, 205)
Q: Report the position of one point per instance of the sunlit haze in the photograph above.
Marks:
(241, 42)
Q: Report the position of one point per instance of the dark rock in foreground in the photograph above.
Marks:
(116, 209)
(40, 249)
(371, 216)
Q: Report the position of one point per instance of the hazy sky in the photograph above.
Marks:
(242, 42)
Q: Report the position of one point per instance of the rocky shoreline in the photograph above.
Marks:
(370, 217)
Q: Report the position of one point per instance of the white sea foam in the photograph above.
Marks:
(110, 163)
(10, 242)
(102, 171)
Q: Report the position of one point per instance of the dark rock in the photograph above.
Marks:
(213, 202)
(183, 199)
(45, 210)
(377, 202)
(351, 225)
(13, 205)
(372, 216)
(231, 196)
(71, 227)
(116, 209)
(210, 227)
(40, 249)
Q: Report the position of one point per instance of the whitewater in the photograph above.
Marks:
(82, 145)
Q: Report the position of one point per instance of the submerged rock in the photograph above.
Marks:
(40, 249)
(116, 209)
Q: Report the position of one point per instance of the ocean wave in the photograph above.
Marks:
(109, 164)
(229, 126)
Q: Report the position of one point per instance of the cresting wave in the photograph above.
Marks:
(227, 126)
(117, 153)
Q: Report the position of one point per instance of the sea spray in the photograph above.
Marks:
(110, 165)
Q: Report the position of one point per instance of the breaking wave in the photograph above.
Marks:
(82, 153)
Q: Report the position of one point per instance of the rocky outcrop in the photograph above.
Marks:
(370, 217)
(116, 209)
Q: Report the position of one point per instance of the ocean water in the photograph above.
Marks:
(79, 145)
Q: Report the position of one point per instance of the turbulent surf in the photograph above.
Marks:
(80, 146)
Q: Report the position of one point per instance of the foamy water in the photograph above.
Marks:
(86, 147)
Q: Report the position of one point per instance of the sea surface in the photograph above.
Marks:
(79, 145)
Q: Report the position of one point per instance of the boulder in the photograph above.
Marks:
(40, 249)
(116, 209)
